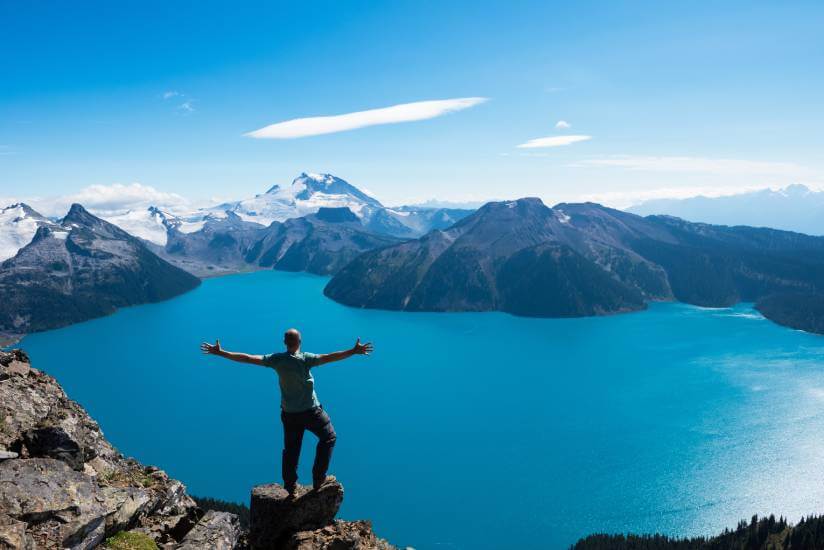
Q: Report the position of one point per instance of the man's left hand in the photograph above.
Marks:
(362, 349)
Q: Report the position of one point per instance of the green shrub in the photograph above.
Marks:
(129, 540)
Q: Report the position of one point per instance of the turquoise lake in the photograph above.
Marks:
(470, 430)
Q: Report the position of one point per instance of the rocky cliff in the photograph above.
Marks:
(63, 485)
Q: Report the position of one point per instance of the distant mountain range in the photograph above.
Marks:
(794, 208)
(516, 256)
(60, 271)
(307, 194)
(581, 259)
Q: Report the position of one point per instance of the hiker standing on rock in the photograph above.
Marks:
(300, 408)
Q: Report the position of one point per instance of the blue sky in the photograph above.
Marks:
(673, 98)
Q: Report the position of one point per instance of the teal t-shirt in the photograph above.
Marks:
(297, 387)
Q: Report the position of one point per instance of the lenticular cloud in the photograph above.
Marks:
(405, 112)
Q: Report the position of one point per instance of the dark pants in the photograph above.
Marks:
(294, 424)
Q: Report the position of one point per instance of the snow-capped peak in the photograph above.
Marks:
(18, 225)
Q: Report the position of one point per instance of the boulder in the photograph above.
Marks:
(13, 534)
(61, 507)
(216, 530)
(340, 535)
(274, 516)
(34, 410)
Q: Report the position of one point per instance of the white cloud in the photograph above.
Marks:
(170, 94)
(721, 166)
(405, 112)
(553, 141)
(187, 106)
(563, 125)
(110, 200)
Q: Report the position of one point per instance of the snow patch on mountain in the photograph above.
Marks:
(18, 224)
(307, 194)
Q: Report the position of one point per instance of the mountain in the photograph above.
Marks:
(80, 268)
(219, 246)
(306, 195)
(319, 243)
(579, 259)
(794, 208)
(512, 256)
(18, 224)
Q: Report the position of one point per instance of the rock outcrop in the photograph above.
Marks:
(63, 485)
(307, 521)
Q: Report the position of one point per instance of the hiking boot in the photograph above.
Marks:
(318, 483)
(292, 490)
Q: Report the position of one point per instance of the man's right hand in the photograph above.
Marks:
(211, 349)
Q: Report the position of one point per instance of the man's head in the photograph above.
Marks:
(292, 340)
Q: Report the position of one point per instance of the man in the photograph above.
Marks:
(300, 408)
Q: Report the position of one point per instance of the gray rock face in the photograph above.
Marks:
(320, 243)
(13, 534)
(274, 516)
(62, 508)
(216, 530)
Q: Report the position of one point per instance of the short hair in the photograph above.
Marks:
(291, 336)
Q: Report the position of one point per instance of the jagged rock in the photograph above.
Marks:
(54, 442)
(18, 368)
(341, 535)
(61, 507)
(13, 534)
(274, 516)
(35, 401)
(123, 506)
(216, 530)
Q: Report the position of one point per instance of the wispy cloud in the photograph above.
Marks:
(631, 197)
(553, 141)
(187, 106)
(563, 125)
(721, 166)
(405, 112)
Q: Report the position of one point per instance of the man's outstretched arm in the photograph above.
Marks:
(357, 349)
(215, 349)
